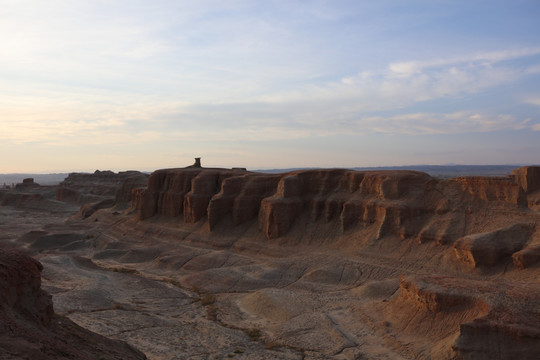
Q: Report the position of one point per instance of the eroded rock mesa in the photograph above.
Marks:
(402, 203)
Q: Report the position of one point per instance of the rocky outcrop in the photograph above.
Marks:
(482, 320)
(26, 184)
(492, 189)
(437, 294)
(174, 192)
(20, 288)
(528, 178)
(82, 188)
(68, 195)
(88, 210)
(498, 336)
(488, 248)
(240, 198)
(33, 201)
(124, 193)
(29, 329)
(349, 196)
(510, 330)
(526, 257)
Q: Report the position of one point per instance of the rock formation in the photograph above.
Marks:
(29, 329)
(403, 203)
(528, 178)
(476, 319)
(489, 248)
(81, 188)
(174, 192)
(197, 163)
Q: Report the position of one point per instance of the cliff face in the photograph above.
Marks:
(401, 203)
(492, 189)
(528, 178)
(388, 199)
(134, 181)
(276, 200)
(174, 192)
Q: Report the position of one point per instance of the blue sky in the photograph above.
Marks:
(120, 85)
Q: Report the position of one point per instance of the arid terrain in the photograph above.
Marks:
(204, 263)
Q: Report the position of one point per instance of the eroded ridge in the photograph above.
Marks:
(404, 203)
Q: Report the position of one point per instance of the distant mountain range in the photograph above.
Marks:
(441, 171)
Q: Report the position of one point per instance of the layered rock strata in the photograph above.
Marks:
(399, 202)
(528, 178)
(405, 204)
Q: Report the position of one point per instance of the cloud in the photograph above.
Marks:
(485, 59)
(405, 84)
(436, 123)
(235, 107)
(533, 100)
(234, 126)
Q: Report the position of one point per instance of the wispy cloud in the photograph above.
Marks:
(486, 59)
(532, 99)
(450, 123)
(410, 82)
(347, 106)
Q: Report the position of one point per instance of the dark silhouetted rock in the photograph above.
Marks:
(29, 329)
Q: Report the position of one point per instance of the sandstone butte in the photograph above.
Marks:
(313, 264)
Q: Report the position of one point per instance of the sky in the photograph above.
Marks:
(129, 84)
